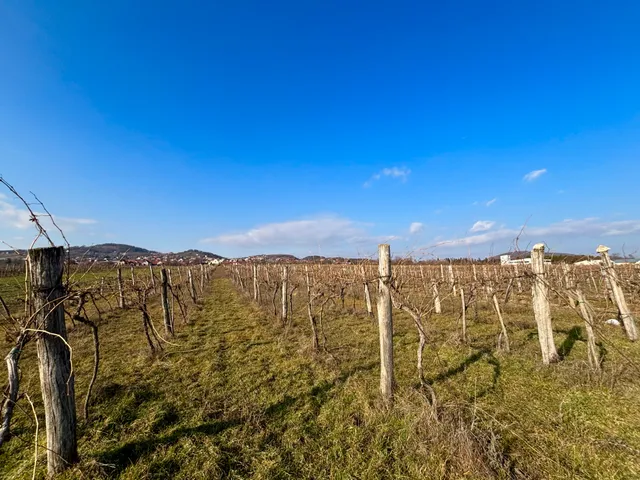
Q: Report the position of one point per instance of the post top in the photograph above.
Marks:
(602, 249)
(538, 246)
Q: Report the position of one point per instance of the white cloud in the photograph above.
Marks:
(393, 172)
(415, 227)
(574, 228)
(322, 231)
(531, 176)
(19, 218)
(482, 226)
(490, 202)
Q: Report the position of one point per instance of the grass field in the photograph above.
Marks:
(239, 397)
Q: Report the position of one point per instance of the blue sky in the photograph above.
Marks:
(324, 127)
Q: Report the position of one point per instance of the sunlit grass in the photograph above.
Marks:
(239, 398)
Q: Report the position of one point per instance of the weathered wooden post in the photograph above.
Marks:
(541, 308)
(624, 312)
(452, 280)
(133, 277)
(464, 316)
(202, 278)
(367, 293)
(503, 338)
(166, 313)
(518, 281)
(285, 290)
(385, 323)
(437, 306)
(153, 278)
(120, 289)
(585, 313)
(46, 266)
(312, 318)
(255, 282)
(192, 287)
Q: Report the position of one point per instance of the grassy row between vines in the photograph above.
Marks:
(236, 395)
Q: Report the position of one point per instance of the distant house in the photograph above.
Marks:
(588, 263)
(507, 260)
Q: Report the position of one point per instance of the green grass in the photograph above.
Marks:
(238, 397)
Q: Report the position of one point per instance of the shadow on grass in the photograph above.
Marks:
(470, 360)
(317, 395)
(573, 335)
(132, 452)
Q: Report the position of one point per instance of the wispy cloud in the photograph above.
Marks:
(415, 227)
(535, 174)
(322, 231)
(19, 218)
(482, 226)
(401, 173)
(490, 202)
(575, 228)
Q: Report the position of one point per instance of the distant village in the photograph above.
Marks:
(119, 254)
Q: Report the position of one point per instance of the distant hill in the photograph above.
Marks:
(281, 256)
(109, 252)
(198, 253)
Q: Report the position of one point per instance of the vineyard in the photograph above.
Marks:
(369, 370)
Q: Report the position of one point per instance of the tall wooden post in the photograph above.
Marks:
(46, 266)
(464, 316)
(585, 313)
(168, 324)
(153, 278)
(541, 308)
(133, 277)
(312, 318)
(367, 293)
(192, 287)
(202, 278)
(120, 289)
(255, 282)
(611, 275)
(385, 323)
(437, 306)
(285, 290)
(503, 338)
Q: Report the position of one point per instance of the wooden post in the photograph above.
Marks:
(46, 266)
(585, 313)
(133, 277)
(285, 290)
(202, 278)
(503, 338)
(312, 319)
(153, 278)
(452, 280)
(624, 312)
(541, 308)
(367, 293)
(464, 316)
(192, 287)
(255, 282)
(437, 306)
(168, 324)
(517, 275)
(120, 289)
(385, 323)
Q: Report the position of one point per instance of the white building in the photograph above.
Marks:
(506, 260)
